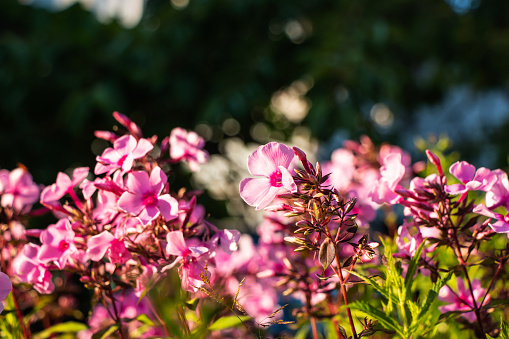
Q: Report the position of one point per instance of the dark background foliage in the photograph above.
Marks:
(62, 74)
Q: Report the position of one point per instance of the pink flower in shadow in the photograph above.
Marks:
(462, 301)
(192, 260)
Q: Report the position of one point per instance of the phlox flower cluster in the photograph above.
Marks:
(121, 231)
(438, 215)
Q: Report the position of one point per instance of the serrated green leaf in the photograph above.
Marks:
(381, 289)
(412, 267)
(431, 297)
(327, 253)
(504, 329)
(67, 327)
(228, 322)
(384, 320)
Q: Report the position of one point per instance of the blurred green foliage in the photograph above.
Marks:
(62, 74)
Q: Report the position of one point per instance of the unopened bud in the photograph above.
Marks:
(435, 161)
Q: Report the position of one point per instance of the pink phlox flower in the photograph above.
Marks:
(259, 299)
(29, 269)
(391, 174)
(114, 185)
(106, 243)
(125, 150)
(17, 189)
(271, 162)
(462, 301)
(341, 168)
(408, 241)
(190, 212)
(132, 127)
(228, 240)
(57, 243)
(5, 288)
(106, 208)
(471, 180)
(143, 200)
(63, 185)
(502, 223)
(129, 306)
(188, 146)
(191, 259)
(498, 195)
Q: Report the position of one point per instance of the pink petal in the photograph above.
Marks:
(168, 206)
(98, 245)
(125, 144)
(463, 171)
(483, 210)
(257, 192)
(176, 243)
(157, 180)
(138, 182)
(128, 162)
(455, 189)
(266, 159)
(392, 170)
(79, 174)
(148, 214)
(287, 180)
(5, 286)
(500, 226)
(144, 146)
(131, 203)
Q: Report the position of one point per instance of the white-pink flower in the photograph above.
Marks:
(188, 146)
(143, 197)
(17, 189)
(125, 150)
(271, 163)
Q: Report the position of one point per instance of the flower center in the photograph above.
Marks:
(276, 178)
(121, 160)
(150, 200)
(63, 245)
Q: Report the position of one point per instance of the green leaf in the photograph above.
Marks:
(144, 319)
(412, 267)
(375, 285)
(327, 253)
(105, 332)
(67, 327)
(227, 322)
(504, 329)
(431, 297)
(384, 320)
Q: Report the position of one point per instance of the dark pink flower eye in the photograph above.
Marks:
(63, 245)
(276, 178)
(150, 201)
